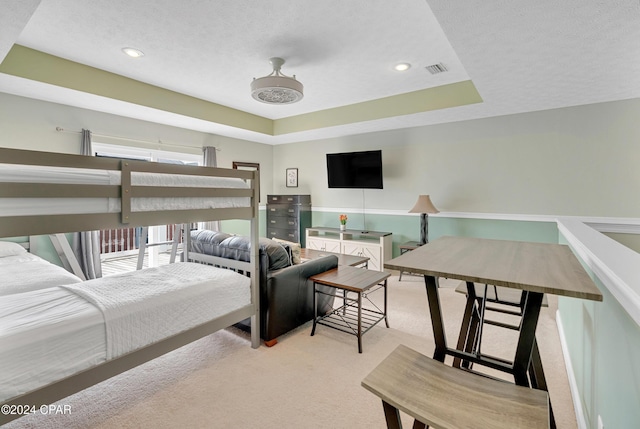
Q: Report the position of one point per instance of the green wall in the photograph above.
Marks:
(407, 228)
(604, 347)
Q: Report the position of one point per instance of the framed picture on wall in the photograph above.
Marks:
(292, 177)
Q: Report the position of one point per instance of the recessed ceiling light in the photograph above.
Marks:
(133, 52)
(402, 67)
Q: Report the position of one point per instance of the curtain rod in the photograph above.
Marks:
(62, 130)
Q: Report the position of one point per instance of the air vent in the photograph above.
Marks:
(436, 68)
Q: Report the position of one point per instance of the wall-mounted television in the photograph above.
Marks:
(362, 170)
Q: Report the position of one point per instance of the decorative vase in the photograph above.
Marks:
(343, 227)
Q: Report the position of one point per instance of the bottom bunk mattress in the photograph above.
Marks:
(52, 333)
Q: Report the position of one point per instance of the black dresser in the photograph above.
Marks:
(288, 216)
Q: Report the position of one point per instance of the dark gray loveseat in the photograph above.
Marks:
(286, 294)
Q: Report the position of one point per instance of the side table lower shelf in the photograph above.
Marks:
(351, 317)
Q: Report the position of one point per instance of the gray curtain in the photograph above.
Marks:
(86, 245)
(209, 160)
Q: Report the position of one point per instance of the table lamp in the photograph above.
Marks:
(424, 206)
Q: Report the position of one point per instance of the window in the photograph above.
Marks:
(126, 241)
(141, 154)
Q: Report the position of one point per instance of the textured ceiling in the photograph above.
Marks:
(520, 55)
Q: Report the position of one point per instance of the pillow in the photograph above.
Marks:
(295, 249)
(9, 248)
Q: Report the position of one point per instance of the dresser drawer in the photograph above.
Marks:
(282, 210)
(288, 199)
(283, 222)
(283, 234)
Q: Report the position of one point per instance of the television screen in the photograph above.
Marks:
(355, 170)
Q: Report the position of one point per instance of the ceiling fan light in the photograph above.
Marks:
(276, 88)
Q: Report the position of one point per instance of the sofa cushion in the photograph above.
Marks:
(206, 241)
(239, 248)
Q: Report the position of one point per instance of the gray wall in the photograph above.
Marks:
(573, 161)
(31, 124)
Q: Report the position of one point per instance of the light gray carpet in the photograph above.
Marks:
(302, 382)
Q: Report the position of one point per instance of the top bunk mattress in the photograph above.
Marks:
(11, 173)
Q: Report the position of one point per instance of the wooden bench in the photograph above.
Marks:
(444, 397)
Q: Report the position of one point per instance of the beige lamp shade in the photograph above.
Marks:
(424, 205)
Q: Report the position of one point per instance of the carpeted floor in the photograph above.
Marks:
(302, 382)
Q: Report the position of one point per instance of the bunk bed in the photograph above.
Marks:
(49, 193)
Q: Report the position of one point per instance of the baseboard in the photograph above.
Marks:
(573, 385)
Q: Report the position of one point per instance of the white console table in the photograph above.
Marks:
(372, 244)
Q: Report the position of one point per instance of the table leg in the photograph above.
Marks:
(315, 309)
(344, 302)
(465, 328)
(419, 425)
(527, 338)
(538, 380)
(431, 284)
(359, 322)
(386, 319)
(392, 416)
(536, 373)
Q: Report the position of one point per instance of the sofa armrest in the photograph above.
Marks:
(288, 296)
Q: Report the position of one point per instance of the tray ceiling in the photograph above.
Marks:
(200, 57)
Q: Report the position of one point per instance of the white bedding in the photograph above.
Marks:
(51, 333)
(41, 174)
(26, 272)
(160, 295)
(46, 335)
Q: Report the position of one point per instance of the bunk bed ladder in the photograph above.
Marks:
(67, 257)
(177, 231)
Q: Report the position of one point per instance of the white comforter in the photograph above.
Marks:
(142, 307)
(52, 333)
(26, 272)
(46, 335)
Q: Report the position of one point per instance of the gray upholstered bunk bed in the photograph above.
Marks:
(47, 193)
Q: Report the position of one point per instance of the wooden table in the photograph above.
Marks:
(352, 260)
(346, 318)
(534, 268)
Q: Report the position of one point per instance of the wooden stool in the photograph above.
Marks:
(511, 302)
(444, 397)
(504, 296)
